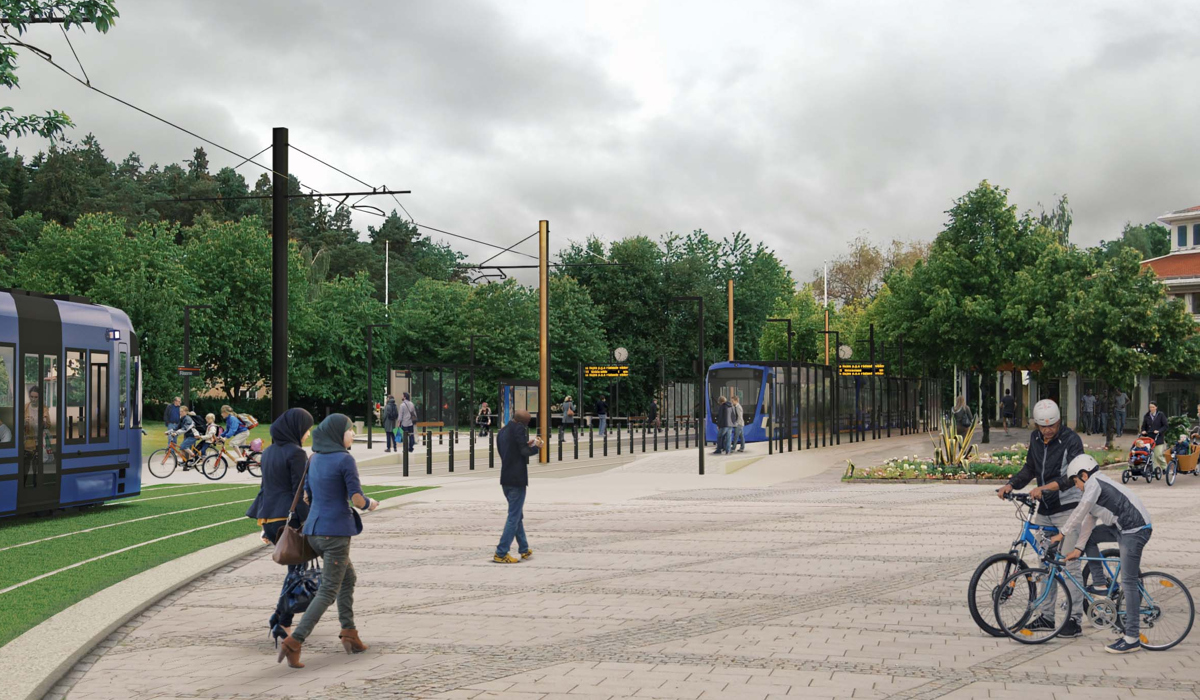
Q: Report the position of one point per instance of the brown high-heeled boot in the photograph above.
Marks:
(290, 649)
(351, 643)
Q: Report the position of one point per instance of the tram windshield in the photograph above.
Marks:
(742, 382)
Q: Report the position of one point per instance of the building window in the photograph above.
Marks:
(8, 382)
(76, 399)
(1196, 303)
(1196, 234)
(1181, 237)
(99, 391)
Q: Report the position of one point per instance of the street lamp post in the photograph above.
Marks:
(837, 351)
(701, 428)
(187, 347)
(787, 396)
(471, 390)
(370, 354)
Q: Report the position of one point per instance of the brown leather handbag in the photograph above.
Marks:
(292, 547)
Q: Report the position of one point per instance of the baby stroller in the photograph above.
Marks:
(1141, 462)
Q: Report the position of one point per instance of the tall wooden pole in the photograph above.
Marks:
(729, 294)
(544, 339)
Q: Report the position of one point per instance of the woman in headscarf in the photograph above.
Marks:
(282, 469)
(331, 486)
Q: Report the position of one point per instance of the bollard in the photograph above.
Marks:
(452, 441)
(576, 442)
(644, 438)
(629, 428)
(618, 439)
(404, 449)
(471, 459)
(591, 442)
(491, 449)
(560, 442)
(428, 453)
(605, 438)
(655, 442)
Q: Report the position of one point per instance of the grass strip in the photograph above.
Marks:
(29, 605)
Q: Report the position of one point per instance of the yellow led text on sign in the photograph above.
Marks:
(606, 371)
(861, 370)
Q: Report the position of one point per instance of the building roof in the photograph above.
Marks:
(1175, 265)
(1189, 210)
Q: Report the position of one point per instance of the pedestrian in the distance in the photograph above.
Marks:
(332, 485)
(963, 418)
(602, 414)
(282, 470)
(408, 418)
(484, 419)
(391, 414)
(739, 423)
(171, 416)
(1008, 410)
(723, 417)
(568, 419)
(1103, 406)
(1154, 425)
(515, 447)
(1087, 407)
(1120, 401)
(652, 414)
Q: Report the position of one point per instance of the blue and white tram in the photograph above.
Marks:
(749, 382)
(70, 403)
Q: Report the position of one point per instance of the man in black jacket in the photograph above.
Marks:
(515, 447)
(1154, 424)
(1052, 446)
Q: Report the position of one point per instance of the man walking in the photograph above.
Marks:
(1088, 410)
(515, 447)
(408, 417)
(1119, 403)
(723, 417)
(568, 420)
(1154, 425)
(1008, 410)
(739, 423)
(652, 414)
(171, 416)
(602, 414)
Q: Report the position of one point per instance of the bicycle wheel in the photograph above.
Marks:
(1021, 616)
(162, 463)
(985, 587)
(1172, 470)
(254, 464)
(1167, 611)
(215, 466)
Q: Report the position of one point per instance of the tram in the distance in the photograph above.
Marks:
(70, 403)
(749, 383)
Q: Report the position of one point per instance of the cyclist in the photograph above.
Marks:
(187, 426)
(1106, 501)
(1052, 446)
(209, 436)
(235, 432)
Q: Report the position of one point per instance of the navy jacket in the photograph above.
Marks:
(171, 415)
(1155, 426)
(332, 479)
(1048, 463)
(513, 444)
(282, 468)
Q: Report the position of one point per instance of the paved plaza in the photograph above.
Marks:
(774, 581)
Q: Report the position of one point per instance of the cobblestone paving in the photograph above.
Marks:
(809, 589)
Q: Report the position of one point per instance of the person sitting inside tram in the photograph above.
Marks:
(32, 454)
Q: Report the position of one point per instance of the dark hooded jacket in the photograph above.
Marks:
(282, 467)
(1048, 463)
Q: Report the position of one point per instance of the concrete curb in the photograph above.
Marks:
(34, 662)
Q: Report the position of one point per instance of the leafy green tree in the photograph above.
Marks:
(808, 319)
(1149, 240)
(17, 15)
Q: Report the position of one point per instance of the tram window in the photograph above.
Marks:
(742, 382)
(99, 396)
(76, 398)
(137, 392)
(123, 382)
(8, 382)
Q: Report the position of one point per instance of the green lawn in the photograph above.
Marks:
(213, 505)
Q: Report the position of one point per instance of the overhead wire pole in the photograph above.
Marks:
(279, 272)
(544, 339)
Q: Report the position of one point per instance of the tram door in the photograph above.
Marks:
(39, 427)
(123, 400)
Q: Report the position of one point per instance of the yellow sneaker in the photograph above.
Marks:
(506, 559)
(526, 554)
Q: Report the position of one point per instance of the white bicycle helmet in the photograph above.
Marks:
(1081, 464)
(1045, 413)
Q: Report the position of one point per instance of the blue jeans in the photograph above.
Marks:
(391, 438)
(603, 424)
(188, 442)
(1120, 418)
(1131, 570)
(739, 437)
(723, 439)
(515, 524)
(410, 437)
(172, 426)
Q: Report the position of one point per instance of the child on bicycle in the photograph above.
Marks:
(209, 436)
(190, 431)
(1108, 502)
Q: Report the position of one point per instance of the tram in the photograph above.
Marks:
(70, 403)
(748, 382)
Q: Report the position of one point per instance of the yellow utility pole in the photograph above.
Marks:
(729, 288)
(544, 340)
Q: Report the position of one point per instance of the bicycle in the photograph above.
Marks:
(1166, 604)
(217, 463)
(164, 461)
(997, 568)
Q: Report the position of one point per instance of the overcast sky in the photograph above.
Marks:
(801, 123)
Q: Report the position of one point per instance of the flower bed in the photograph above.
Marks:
(1000, 465)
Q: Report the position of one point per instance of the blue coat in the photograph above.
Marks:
(332, 479)
(282, 467)
(513, 445)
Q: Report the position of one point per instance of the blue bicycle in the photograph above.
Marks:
(985, 586)
(1167, 611)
